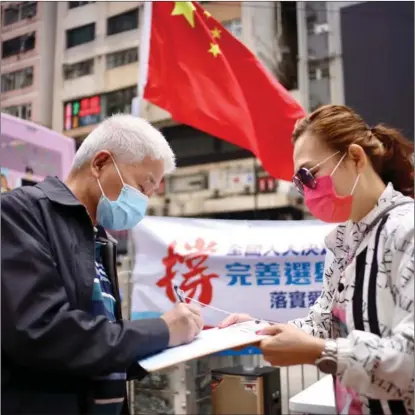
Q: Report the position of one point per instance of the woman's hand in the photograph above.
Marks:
(234, 319)
(290, 346)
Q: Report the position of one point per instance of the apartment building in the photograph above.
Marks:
(96, 73)
(361, 54)
(216, 179)
(27, 50)
(96, 62)
(305, 44)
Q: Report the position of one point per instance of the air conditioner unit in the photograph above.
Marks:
(321, 28)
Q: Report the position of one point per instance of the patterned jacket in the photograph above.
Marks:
(367, 305)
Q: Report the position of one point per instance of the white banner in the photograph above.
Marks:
(271, 270)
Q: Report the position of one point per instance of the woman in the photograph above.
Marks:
(4, 183)
(361, 329)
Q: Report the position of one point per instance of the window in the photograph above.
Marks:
(18, 45)
(234, 26)
(17, 80)
(318, 70)
(28, 9)
(120, 101)
(321, 28)
(74, 4)
(209, 149)
(78, 69)
(311, 20)
(21, 111)
(124, 57)
(11, 14)
(122, 22)
(80, 35)
(19, 11)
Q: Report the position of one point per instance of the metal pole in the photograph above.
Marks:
(255, 188)
(302, 64)
(131, 260)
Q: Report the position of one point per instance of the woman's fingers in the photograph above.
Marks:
(234, 319)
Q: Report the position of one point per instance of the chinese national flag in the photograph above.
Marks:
(206, 78)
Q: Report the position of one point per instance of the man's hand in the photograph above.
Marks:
(234, 319)
(184, 323)
(290, 346)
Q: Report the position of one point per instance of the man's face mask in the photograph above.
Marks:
(125, 212)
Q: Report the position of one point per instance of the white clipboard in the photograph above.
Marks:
(206, 343)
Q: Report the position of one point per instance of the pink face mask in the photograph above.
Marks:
(323, 201)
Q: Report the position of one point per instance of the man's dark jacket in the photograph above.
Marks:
(51, 346)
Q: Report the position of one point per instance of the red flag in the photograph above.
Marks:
(207, 79)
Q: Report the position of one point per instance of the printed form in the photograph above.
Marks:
(206, 343)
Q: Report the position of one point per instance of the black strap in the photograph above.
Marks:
(358, 291)
(375, 405)
(371, 292)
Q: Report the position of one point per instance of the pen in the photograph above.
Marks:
(178, 293)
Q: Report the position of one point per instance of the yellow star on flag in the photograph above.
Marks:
(216, 33)
(214, 49)
(207, 14)
(186, 9)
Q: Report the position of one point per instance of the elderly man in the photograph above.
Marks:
(65, 347)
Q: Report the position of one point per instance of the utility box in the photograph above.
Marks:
(246, 391)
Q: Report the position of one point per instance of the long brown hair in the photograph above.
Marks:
(390, 153)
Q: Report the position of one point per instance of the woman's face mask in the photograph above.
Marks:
(320, 195)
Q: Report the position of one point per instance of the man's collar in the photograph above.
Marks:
(56, 191)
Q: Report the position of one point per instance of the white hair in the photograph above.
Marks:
(130, 139)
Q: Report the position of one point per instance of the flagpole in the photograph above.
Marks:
(255, 188)
(143, 58)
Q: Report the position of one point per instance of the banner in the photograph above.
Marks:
(272, 270)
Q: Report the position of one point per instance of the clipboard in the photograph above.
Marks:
(206, 343)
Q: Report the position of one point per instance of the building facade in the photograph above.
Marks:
(304, 44)
(216, 179)
(96, 63)
(96, 74)
(27, 51)
(360, 54)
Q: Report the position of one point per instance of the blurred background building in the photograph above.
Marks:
(27, 52)
(83, 57)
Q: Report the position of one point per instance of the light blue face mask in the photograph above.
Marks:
(125, 212)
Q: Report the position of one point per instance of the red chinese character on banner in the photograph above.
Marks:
(192, 268)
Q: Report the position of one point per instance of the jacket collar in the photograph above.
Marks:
(56, 191)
